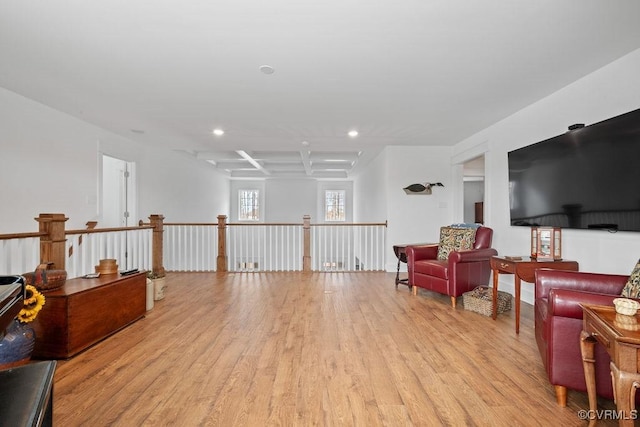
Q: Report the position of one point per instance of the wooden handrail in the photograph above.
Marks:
(350, 224)
(200, 224)
(342, 224)
(107, 230)
(52, 235)
(267, 224)
(21, 235)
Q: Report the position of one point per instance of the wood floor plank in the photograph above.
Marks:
(300, 349)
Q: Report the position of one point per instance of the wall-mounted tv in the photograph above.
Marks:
(586, 178)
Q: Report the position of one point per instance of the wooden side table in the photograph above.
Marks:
(523, 269)
(620, 336)
(400, 251)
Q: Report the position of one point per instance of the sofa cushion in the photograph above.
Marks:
(632, 287)
(432, 267)
(455, 239)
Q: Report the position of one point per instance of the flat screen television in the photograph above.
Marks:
(586, 178)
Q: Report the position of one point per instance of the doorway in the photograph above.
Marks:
(118, 199)
(473, 189)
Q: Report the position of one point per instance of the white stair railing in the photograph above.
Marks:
(131, 248)
(348, 247)
(196, 247)
(190, 247)
(264, 247)
(274, 246)
(19, 254)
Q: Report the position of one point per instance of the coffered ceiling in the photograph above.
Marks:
(283, 164)
(287, 80)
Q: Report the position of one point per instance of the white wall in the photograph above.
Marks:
(370, 191)
(610, 91)
(50, 163)
(288, 200)
(411, 218)
(180, 187)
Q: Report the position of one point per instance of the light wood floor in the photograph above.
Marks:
(332, 349)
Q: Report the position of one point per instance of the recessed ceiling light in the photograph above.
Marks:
(353, 133)
(305, 142)
(267, 69)
(218, 132)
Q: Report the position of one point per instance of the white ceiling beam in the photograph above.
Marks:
(217, 155)
(276, 155)
(305, 161)
(243, 164)
(251, 160)
(329, 174)
(350, 156)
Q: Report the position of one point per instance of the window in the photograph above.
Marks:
(249, 209)
(334, 201)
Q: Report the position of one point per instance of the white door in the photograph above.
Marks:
(118, 195)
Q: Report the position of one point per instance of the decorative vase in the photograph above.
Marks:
(150, 294)
(17, 344)
(159, 286)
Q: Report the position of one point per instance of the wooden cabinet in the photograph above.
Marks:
(85, 311)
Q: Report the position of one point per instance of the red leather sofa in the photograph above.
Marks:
(460, 273)
(558, 323)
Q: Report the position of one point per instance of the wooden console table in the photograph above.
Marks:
(523, 269)
(85, 311)
(620, 336)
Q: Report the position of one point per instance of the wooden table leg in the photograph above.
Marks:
(623, 385)
(494, 313)
(398, 273)
(587, 350)
(518, 284)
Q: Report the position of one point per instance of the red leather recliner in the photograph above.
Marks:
(558, 323)
(460, 273)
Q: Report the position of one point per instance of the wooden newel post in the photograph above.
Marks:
(221, 261)
(157, 266)
(306, 245)
(52, 244)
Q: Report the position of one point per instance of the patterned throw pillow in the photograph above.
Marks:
(455, 239)
(632, 288)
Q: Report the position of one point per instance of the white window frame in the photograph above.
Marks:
(256, 206)
(342, 195)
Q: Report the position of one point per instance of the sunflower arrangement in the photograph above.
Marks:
(33, 303)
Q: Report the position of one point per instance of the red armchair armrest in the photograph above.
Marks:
(566, 303)
(472, 255)
(416, 253)
(546, 280)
